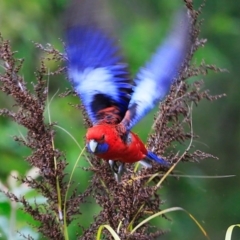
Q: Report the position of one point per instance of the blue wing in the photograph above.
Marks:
(97, 73)
(154, 79)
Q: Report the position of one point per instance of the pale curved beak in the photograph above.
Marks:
(92, 145)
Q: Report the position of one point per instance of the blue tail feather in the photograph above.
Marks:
(154, 157)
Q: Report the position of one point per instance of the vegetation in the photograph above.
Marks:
(72, 194)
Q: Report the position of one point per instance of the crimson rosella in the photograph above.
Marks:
(114, 105)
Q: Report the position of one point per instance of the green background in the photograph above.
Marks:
(140, 26)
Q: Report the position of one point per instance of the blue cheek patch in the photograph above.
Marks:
(102, 148)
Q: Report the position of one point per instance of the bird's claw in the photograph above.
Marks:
(117, 169)
(113, 166)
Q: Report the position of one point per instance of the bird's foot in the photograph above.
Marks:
(117, 169)
(113, 166)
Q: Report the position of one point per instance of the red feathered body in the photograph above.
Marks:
(127, 149)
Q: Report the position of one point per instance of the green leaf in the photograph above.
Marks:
(109, 228)
(230, 230)
(166, 211)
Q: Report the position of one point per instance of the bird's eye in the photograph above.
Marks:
(102, 138)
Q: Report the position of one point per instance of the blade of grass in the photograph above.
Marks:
(119, 226)
(230, 230)
(66, 194)
(109, 228)
(170, 210)
(175, 175)
(132, 222)
(60, 215)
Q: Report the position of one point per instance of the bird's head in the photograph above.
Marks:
(96, 140)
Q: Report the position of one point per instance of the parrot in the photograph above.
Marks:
(113, 100)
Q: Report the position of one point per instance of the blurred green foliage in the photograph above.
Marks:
(214, 202)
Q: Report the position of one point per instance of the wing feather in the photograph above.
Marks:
(154, 80)
(97, 72)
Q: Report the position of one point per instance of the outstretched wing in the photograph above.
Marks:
(154, 79)
(98, 74)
